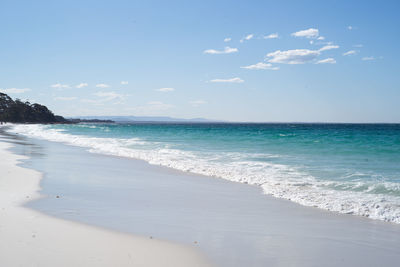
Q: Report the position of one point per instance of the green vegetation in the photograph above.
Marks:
(24, 112)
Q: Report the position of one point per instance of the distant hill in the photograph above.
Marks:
(90, 121)
(24, 112)
(142, 119)
(17, 111)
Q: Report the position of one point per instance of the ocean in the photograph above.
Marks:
(345, 168)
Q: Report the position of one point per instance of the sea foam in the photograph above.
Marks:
(370, 199)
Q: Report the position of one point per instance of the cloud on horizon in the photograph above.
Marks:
(59, 86)
(15, 90)
(105, 96)
(65, 98)
(231, 80)
(197, 103)
(111, 95)
(260, 66)
(326, 61)
(151, 108)
(81, 85)
(166, 89)
(227, 50)
(158, 105)
(102, 85)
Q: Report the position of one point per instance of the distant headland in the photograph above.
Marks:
(17, 111)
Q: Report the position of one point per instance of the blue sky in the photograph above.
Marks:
(304, 61)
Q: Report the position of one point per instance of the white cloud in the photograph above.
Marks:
(151, 108)
(65, 98)
(368, 58)
(260, 66)
(232, 80)
(227, 50)
(358, 45)
(158, 105)
(166, 89)
(59, 86)
(14, 90)
(247, 37)
(109, 95)
(104, 97)
(92, 101)
(311, 41)
(81, 85)
(310, 33)
(351, 52)
(326, 61)
(350, 28)
(328, 47)
(124, 82)
(228, 39)
(320, 38)
(271, 36)
(102, 85)
(197, 103)
(295, 56)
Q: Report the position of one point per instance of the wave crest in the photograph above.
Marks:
(374, 200)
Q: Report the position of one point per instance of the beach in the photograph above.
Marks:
(201, 133)
(232, 224)
(30, 238)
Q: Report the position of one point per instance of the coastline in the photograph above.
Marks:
(285, 162)
(233, 224)
(30, 238)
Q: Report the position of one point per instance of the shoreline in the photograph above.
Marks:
(30, 238)
(234, 224)
(292, 178)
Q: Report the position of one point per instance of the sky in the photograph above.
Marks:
(258, 61)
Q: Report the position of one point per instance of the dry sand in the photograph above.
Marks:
(30, 238)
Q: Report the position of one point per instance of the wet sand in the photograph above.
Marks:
(233, 224)
(30, 238)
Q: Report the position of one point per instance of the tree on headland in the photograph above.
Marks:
(18, 111)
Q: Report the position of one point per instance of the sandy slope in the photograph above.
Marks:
(29, 238)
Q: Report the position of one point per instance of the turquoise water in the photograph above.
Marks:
(347, 168)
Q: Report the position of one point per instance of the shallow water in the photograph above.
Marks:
(233, 223)
(347, 168)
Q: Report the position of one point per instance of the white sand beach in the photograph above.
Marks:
(199, 133)
(226, 223)
(29, 238)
